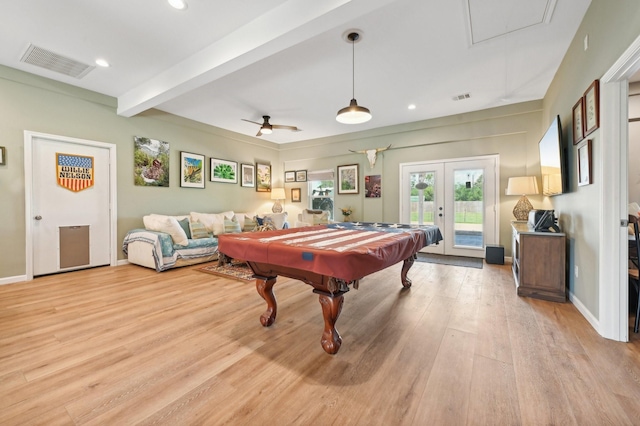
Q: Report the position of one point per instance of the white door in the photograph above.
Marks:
(71, 226)
(459, 196)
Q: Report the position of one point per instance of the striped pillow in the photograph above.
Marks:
(198, 230)
(231, 227)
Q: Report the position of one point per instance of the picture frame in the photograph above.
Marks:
(223, 171)
(373, 186)
(584, 163)
(296, 195)
(3, 156)
(191, 170)
(348, 179)
(592, 108)
(578, 121)
(289, 176)
(263, 177)
(301, 175)
(247, 175)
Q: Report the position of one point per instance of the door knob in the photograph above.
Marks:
(38, 217)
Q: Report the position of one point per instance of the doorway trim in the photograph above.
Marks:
(613, 290)
(29, 136)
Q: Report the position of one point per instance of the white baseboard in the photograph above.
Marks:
(11, 280)
(122, 262)
(585, 312)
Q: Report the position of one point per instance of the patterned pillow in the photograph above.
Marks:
(231, 226)
(198, 230)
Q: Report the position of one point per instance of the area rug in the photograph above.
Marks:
(236, 270)
(467, 262)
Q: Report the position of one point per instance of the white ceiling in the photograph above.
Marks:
(221, 61)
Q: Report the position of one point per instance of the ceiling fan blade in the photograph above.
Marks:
(259, 132)
(254, 122)
(280, 126)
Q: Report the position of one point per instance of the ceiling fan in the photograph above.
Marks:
(266, 128)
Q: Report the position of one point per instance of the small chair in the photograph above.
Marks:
(634, 273)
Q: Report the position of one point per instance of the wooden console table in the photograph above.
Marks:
(539, 265)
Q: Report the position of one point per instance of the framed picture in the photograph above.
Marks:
(348, 179)
(3, 156)
(289, 177)
(295, 195)
(373, 186)
(224, 171)
(301, 175)
(150, 162)
(263, 177)
(191, 170)
(578, 121)
(584, 163)
(247, 178)
(592, 108)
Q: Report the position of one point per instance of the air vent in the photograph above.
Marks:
(461, 97)
(52, 61)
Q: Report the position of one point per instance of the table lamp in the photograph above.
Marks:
(277, 194)
(523, 186)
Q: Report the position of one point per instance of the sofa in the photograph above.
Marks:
(172, 241)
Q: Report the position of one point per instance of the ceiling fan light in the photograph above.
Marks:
(266, 130)
(353, 114)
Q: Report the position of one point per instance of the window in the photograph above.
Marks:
(321, 190)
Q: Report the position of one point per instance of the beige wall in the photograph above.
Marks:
(611, 26)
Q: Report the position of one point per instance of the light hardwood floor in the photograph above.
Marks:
(126, 345)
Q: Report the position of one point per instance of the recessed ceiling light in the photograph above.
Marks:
(411, 106)
(178, 4)
(102, 63)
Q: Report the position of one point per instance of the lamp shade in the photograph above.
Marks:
(353, 114)
(522, 185)
(278, 194)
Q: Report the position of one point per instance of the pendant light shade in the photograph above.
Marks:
(353, 114)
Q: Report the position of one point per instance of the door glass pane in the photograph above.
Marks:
(469, 207)
(321, 195)
(422, 198)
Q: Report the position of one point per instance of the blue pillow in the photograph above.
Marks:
(184, 224)
(260, 220)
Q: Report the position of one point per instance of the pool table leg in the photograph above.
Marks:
(408, 263)
(331, 308)
(264, 285)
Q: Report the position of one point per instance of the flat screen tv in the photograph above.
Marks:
(552, 165)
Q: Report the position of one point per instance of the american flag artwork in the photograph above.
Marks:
(74, 172)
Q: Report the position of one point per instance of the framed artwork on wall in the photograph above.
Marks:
(584, 163)
(289, 177)
(295, 195)
(592, 108)
(223, 171)
(191, 170)
(301, 175)
(348, 179)
(373, 186)
(578, 121)
(263, 177)
(248, 172)
(150, 162)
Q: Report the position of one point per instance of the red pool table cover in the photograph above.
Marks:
(346, 251)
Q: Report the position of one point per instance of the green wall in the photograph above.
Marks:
(611, 26)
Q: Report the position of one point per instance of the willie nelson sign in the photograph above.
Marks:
(75, 172)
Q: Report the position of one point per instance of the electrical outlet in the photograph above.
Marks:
(576, 271)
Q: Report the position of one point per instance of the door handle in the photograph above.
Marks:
(38, 217)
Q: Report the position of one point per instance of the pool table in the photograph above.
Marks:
(329, 258)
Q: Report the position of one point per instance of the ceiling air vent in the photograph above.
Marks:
(52, 61)
(461, 97)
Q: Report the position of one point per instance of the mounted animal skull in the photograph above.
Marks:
(372, 154)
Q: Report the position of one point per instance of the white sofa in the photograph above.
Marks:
(171, 241)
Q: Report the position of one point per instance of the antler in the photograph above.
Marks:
(383, 149)
(358, 152)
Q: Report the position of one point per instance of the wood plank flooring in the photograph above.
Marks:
(129, 346)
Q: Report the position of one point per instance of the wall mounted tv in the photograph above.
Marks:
(552, 165)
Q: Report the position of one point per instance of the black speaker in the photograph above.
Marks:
(494, 254)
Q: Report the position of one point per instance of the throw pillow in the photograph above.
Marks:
(213, 221)
(184, 224)
(249, 224)
(231, 227)
(198, 230)
(168, 225)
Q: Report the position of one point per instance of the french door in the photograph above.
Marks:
(457, 195)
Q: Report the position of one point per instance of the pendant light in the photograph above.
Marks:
(353, 114)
